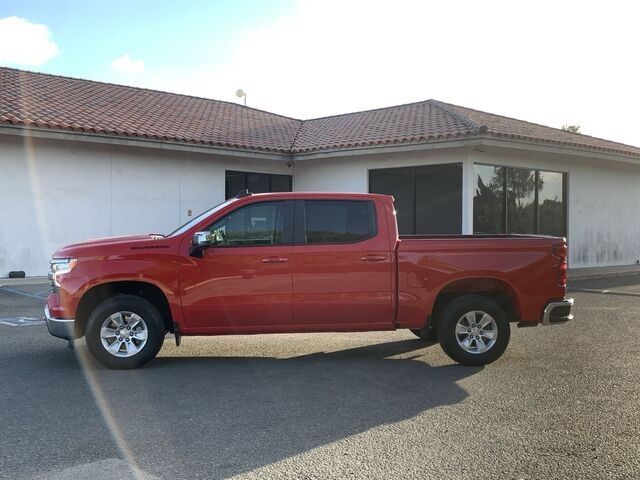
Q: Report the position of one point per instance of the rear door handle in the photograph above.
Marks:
(373, 258)
(274, 260)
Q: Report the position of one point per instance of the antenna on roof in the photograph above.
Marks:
(240, 93)
(243, 193)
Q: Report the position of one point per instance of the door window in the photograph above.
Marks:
(335, 221)
(253, 225)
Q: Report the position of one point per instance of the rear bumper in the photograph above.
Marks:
(558, 312)
(60, 327)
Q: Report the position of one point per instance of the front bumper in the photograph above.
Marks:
(60, 327)
(558, 312)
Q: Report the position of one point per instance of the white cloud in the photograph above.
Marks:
(25, 43)
(548, 62)
(125, 64)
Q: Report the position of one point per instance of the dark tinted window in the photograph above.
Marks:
(488, 200)
(518, 200)
(438, 199)
(398, 182)
(335, 221)
(280, 183)
(256, 224)
(521, 200)
(551, 211)
(235, 182)
(428, 199)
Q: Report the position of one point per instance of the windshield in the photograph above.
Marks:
(194, 221)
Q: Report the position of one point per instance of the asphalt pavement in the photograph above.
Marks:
(563, 402)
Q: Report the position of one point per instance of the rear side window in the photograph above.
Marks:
(339, 221)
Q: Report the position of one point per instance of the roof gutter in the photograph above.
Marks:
(52, 134)
(470, 141)
(479, 139)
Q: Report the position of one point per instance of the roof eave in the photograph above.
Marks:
(549, 146)
(54, 134)
(470, 141)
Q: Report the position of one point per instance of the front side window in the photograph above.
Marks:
(253, 225)
(336, 221)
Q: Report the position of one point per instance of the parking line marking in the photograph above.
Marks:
(21, 321)
(606, 292)
(4, 288)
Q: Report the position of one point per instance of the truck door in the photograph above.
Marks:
(243, 282)
(342, 266)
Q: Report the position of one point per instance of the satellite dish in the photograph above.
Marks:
(240, 93)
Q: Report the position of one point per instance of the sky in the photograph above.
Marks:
(549, 62)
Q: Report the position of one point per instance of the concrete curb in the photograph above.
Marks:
(24, 281)
(604, 272)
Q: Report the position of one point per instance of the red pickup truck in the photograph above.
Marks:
(304, 262)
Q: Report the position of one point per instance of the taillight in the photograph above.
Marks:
(560, 251)
(562, 274)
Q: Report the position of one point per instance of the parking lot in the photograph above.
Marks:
(563, 402)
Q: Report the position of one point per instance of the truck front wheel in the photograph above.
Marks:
(125, 332)
(473, 330)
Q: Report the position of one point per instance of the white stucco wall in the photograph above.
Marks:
(54, 192)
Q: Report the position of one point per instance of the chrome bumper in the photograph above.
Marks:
(558, 312)
(60, 327)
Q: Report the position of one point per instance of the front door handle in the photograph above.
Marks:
(275, 260)
(373, 258)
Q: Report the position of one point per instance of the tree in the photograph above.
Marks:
(571, 128)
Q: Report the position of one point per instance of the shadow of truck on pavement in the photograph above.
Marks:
(215, 417)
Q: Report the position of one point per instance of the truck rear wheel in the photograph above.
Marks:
(125, 332)
(474, 330)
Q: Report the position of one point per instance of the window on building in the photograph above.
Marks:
(428, 198)
(521, 200)
(235, 182)
(253, 225)
(551, 204)
(335, 221)
(518, 200)
(488, 202)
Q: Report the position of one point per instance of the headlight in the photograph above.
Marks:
(60, 266)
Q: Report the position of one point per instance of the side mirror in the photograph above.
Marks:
(202, 239)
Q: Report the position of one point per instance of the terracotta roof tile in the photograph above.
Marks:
(72, 104)
(47, 101)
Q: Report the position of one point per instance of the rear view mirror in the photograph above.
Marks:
(200, 242)
(202, 239)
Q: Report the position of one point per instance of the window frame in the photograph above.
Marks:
(505, 223)
(300, 221)
(287, 224)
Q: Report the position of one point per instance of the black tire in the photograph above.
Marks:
(425, 334)
(449, 339)
(138, 306)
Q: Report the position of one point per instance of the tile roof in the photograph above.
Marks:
(40, 100)
(30, 99)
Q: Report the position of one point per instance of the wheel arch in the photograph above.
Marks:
(101, 292)
(497, 289)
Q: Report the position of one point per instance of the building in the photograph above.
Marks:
(82, 159)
